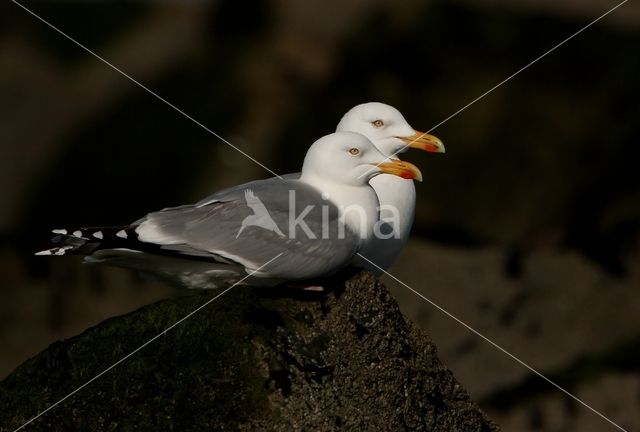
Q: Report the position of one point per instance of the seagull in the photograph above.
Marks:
(325, 216)
(388, 130)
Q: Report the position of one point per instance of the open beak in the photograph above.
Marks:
(402, 169)
(424, 141)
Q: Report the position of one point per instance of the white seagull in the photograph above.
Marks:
(391, 134)
(197, 246)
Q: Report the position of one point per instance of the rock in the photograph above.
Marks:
(250, 361)
(596, 312)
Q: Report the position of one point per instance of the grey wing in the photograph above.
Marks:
(233, 191)
(318, 248)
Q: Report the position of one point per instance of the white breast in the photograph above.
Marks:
(397, 197)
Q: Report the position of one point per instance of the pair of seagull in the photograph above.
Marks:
(354, 198)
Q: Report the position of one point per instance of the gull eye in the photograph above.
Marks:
(354, 151)
(377, 123)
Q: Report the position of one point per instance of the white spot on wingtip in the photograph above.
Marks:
(98, 235)
(59, 231)
(122, 234)
(77, 233)
(55, 251)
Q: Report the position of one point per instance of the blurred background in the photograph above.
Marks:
(527, 229)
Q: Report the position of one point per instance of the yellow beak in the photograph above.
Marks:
(424, 141)
(402, 169)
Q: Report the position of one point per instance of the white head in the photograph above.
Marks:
(387, 129)
(351, 159)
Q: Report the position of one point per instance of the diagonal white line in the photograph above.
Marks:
(495, 345)
(540, 57)
(147, 89)
(181, 320)
(504, 81)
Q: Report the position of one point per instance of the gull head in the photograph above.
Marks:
(350, 158)
(387, 129)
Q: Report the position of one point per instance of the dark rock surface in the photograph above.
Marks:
(345, 361)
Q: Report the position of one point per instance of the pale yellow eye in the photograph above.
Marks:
(377, 123)
(354, 151)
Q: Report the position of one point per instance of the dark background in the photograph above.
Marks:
(527, 229)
